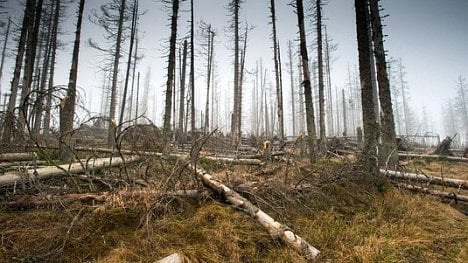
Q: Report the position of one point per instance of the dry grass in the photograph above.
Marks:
(338, 210)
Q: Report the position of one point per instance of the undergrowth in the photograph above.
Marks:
(333, 206)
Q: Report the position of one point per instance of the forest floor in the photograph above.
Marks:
(332, 205)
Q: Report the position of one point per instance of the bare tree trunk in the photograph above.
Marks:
(331, 123)
(241, 83)
(115, 75)
(45, 66)
(388, 150)
(345, 121)
(208, 78)
(170, 76)
(323, 134)
(180, 132)
(33, 33)
(306, 82)
(291, 75)
(368, 113)
(192, 70)
(234, 122)
(48, 106)
(129, 62)
(67, 105)
(279, 94)
(9, 122)
(7, 34)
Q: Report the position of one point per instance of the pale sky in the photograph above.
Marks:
(430, 36)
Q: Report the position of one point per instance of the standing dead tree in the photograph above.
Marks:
(388, 149)
(170, 76)
(67, 110)
(234, 7)
(306, 82)
(279, 91)
(322, 131)
(368, 113)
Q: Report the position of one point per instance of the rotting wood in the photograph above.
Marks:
(275, 228)
(433, 156)
(451, 182)
(448, 195)
(26, 156)
(12, 178)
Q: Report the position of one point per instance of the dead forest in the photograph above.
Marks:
(269, 161)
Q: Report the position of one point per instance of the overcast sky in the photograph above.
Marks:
(430, 36)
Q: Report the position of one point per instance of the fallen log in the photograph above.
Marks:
(12, 178)
(27, 156)
(275, 228)
(403, 155)
(448, 195)
(451, 182)
(174, 258)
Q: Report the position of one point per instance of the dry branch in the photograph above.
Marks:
(12, 178)
(458, 183)
(275, 228)
(448, 195)
(28, 156)
(433, 157)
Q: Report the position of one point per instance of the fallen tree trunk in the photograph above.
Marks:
(432, 157)
(174, 258)
(448, 195)
(28, 156)
(458, 183)
(275, 228)
(12, 178)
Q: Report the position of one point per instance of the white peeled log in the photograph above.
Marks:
(173, 258)
(458, 183)
(27, 156)
(433, 157)
(444, 194)
(275, 228)
(12, 178)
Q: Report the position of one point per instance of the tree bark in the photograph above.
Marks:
(306, 82)
(276, 229)
(367, 98)
(67, 105)
(388, 150)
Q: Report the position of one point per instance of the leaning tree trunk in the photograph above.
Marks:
(306, 82)
(388, 150)
(9, 122)
(367, 96)
(67, 105)
(208, 78)
(170, 76)
(115, 75)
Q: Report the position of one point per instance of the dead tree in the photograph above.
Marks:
(293, 93)
(388, 149)
(322, 132)
(192, 69)
(279, 92)
(129, 62)
(8, 125)
(180, 130)
(368, 113)
(234, 7)
(67, 105)
(306, 82)
(7, 34)
(170, 76)
(53, 53)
